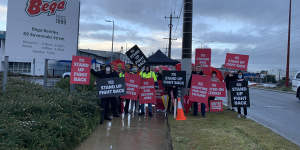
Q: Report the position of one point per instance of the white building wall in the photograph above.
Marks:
(37, 68)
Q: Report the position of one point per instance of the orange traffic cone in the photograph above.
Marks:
(180, 113)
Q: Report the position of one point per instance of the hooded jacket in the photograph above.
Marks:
(229, 79)
(103, 75)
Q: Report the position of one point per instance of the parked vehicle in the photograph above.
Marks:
(296, 84)
(66, 75)
(58, 68)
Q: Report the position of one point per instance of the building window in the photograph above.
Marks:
(19, 67)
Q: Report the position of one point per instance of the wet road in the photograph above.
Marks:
(130, 133)
(277, 111)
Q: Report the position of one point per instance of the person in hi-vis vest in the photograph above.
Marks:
(146, 74)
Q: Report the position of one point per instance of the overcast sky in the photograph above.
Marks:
(254, 27)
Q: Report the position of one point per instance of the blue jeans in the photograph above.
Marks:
(149, 108)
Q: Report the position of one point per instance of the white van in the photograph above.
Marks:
(296, 84)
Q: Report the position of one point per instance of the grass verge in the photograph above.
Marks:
(34, 118)
(224, 131)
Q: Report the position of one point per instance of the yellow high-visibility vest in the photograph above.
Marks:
(148, 75)
(122, 75)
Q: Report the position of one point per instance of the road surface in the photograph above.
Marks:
(278, 111)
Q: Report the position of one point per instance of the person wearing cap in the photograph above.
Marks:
(228, 79)
(147, 74)
(240, 77)
(107, 73)
(198, 71)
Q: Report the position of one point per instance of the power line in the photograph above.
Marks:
(170, 33)
(176, 2)
(178, 19)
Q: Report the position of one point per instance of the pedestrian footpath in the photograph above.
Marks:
(130, 132)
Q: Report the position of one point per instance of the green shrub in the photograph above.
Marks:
(32, 117)
(65, 84)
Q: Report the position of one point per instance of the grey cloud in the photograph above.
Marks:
(127, 37)
(93, 27)
(146, 13)
(264, 26)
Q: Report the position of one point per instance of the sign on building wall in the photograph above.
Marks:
(42, 29)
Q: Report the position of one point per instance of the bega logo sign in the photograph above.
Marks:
(37, 7)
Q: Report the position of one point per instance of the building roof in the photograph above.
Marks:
(100, 53)
(106, 54)
(2, 35)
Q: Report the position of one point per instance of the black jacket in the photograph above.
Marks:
(193, 72)
(229, 79)
(159, 76)
(103, 75)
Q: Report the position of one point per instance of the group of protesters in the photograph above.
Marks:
(114, 104)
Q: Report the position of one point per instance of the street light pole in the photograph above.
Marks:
(288, 48)
(112, 39)
(112, 43)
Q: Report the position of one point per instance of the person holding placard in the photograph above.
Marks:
(228, 79)
(159, 103)
(197, 71)
(214, 78)
(107, 73)
(134, 104)
(240, 77)
(121, 73)
(127, 70)
(146, 74)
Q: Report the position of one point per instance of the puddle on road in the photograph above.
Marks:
(277, 107)
(130, 132)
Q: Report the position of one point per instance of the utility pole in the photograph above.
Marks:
(288, 48)
(166, 50)
(170, 33)
(186, 62)
(112, 39)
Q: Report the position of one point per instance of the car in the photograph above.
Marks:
(250, 83)
(58, 68)
(296, 84)
(66, 75)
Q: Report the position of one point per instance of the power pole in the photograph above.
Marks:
(186, 62)
(288, 48)
(166, 50)
(170, 33)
